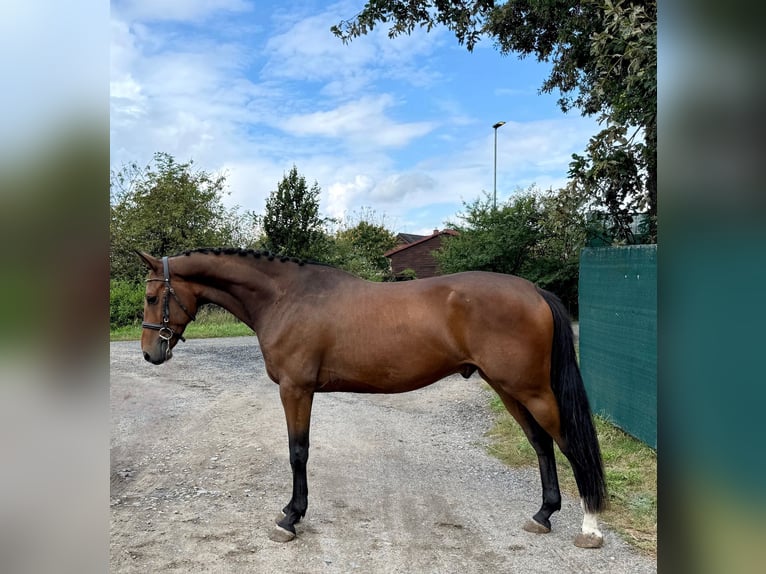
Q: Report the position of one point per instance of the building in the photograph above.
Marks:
(413, 258)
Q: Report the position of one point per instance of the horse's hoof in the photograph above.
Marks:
(535, 527)
(589, 541)
(279, 534)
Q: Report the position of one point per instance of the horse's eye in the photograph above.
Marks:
(152, 300)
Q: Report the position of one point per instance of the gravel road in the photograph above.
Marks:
(397, 483)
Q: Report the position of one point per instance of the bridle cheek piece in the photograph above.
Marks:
(166, 333)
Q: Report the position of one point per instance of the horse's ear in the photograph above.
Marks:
(151, 262)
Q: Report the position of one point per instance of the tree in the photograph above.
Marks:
(360, 247)
(604, 58)
(498, 239)
(166, 208)
(619, 169)
(292, 224)
(564, 234)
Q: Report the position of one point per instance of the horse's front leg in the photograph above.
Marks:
(296, 401)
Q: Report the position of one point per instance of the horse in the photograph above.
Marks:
(323, 330)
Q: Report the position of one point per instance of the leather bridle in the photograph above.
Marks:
(166, 333)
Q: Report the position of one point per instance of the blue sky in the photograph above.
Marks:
(404, 127)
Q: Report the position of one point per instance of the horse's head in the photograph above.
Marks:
(168, 307)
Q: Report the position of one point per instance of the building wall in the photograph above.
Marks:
(418, 257)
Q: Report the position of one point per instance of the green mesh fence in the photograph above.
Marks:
(618, 336)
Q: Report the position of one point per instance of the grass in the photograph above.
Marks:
(211, 322)
(631, 475)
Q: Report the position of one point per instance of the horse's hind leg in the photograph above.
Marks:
(542, 442)
(544, 409)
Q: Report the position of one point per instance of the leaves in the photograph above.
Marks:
(164, 208)
(292, 223)
(362, 247)
(466, 18)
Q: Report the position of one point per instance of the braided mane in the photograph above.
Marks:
(255, 253)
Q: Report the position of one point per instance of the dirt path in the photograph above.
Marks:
(399, 483)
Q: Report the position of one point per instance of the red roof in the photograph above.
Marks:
(436, 233)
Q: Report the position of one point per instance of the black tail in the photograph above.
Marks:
(577, 428)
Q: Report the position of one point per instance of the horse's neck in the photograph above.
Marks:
(244, 288)
(236, 301)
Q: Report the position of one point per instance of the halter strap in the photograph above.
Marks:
(165, 332)
(166, 269)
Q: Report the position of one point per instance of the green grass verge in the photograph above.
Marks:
(211, 322)
(631, 475)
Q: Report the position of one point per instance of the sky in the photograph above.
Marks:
(400, 127)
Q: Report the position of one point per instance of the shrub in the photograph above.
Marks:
(126, 303)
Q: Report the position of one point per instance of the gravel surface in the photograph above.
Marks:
(397, 483)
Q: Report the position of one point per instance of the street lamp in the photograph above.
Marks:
(494, 193)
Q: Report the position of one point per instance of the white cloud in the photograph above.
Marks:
(188, 98)
(363, 123)
(543, 145)
(308, 51)
(250, 182)
(177, 10)
(400, 186)
(341, 195)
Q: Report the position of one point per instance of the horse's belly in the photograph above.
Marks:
(396, 375)
(380, 386)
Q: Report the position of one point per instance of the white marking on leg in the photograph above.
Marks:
(590, 522)
(590, 525)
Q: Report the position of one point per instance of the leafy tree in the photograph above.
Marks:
(604, 59)
(292, 224)
(360, 247)
(619, 169)
(164, 208)
(564, 234)
(500, 240)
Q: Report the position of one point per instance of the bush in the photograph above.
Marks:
(126, 303)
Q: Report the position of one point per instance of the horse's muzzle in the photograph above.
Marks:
(160, 357)
(154, 361)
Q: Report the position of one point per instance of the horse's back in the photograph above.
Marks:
(486, 298)
(472, 300)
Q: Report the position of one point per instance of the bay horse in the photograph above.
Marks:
(323, 330)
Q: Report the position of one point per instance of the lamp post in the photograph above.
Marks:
(494, 193)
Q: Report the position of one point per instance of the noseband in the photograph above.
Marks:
(165, 332)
